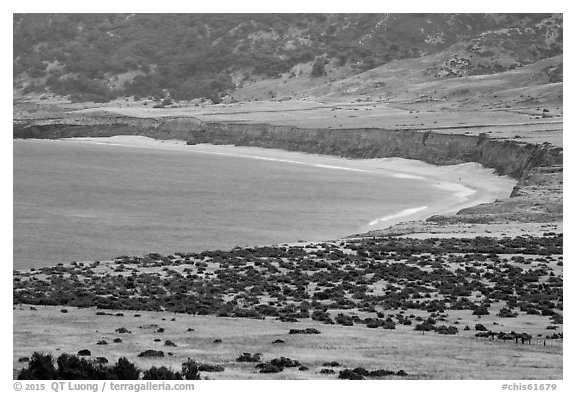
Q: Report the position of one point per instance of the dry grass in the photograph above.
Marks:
(423, 356)
(397, 95)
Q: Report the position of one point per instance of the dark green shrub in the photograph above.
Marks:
(40, 367)
(349, 374)
(318, 68)
(72, 367)
(247, 357)
(161, 373)
(190, 370)
(480, 310)
(507, 313)
(124, 370)
(151, 353)
(424, 327)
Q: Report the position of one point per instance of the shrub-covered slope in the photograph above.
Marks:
(97, 57)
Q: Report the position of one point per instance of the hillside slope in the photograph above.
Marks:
(97, 57)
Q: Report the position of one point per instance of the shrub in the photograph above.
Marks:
(480, 310)
(40, 367)
(507, 313)
(125, 370)
(318, 68)
(556, 319)
(390, 325)
(344, 320)
(482, 138)
(249, 358)
(151, 353)
(372, 324)
(210, 368)
(190, 370)
(304, 331)
(161, 373)
(381, 373)
(72, 367)
(323, 316)
(84, 352)
(349, 374)
(480, 327)
(361, 371)
(267, 368)
(283, 362)
(424, 327)
(443, 329)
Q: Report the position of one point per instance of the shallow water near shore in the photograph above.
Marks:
(78, 201)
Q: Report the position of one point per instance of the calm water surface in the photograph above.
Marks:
(85, 202)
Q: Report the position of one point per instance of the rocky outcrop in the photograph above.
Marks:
(506, 157)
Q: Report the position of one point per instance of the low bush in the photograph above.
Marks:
(507, 313)
(190, 370)
(361, 371)
(72, 367)
(381, 373)
(284, 362)
(161, 373)
(349, 374)
(447, 330)
(304, 331)
(267, 368)
(209, 368)
(151, 353)
(247, 357)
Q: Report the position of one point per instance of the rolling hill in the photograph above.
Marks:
(98, 57)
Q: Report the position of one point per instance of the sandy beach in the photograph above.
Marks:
(470, 183)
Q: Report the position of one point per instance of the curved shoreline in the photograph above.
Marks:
(470, 183)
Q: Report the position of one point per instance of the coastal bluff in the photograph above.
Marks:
(505, 156)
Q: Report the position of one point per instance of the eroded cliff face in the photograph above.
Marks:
(506, 157)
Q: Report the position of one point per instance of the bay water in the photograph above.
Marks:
(87, 201)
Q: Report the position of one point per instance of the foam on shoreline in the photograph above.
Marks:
(401, 214)
(470, 184)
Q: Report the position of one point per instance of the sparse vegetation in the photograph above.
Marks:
(71, 367)
(99, 57)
